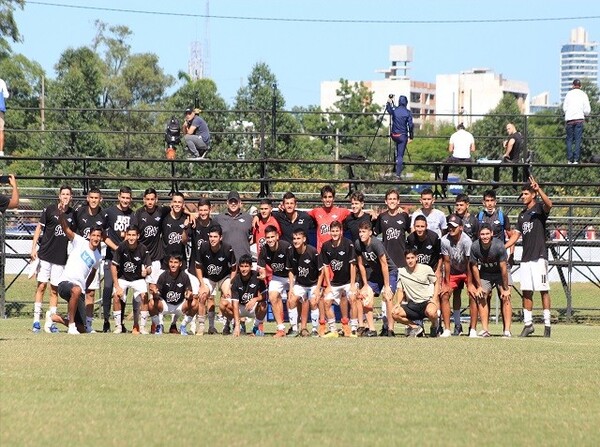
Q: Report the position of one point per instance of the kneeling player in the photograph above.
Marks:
(173, 296)
(416, 295)
(247, 298)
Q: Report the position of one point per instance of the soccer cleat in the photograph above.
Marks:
(547, 331)
(73, 331)
(173, 329)
(353, 334)
(370, 333)
(258, 331)
(279, 334)
(433, 331)
(362, 331)
(506, 334)
(527, 330)
(36, 327)
(322, 329)
(159, 329)
(314, 333)
(183, 330)
(444, 334)
(136, 329)
(384, 331)
(200, 329)
(331, 334)
(291, 331)
(417, 331)
(473, 333)
(106, 326)
(346, 330)
(118, 329)
(304, 333)
(123, 329)
(143, 330)
(226, 330)
(391, 333)
(242, 328)
(484, 334)
(457, 330)
(49, 326)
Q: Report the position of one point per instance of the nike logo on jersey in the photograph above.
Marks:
(307, 261)
(179, 285)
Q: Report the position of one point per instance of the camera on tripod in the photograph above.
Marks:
(172, 137)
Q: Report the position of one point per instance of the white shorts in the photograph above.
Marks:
(195, 283)
(243, 312)
(138, 286)
(156, 272)
(49, 272)
(534, 276)
(213, 286)
(304, 293)
(174, 309)
(337, 292)
(279, 284)
(95, 284)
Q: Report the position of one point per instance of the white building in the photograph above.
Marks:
(578, 60)
(421, 95)
(467, 96)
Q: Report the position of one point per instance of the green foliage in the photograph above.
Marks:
(9, 31)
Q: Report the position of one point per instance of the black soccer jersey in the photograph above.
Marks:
(429, 250)
(393, 230)
(54, 241)
(116, 222)
(244, 290)
(130, 262)
(370, 255)
(84, 221)
(470, 226)
(172, 290)
(198, 235)
(339, 258)
(351, 224)
(173, 229)
(150, 225)
(215, 265)
(275, 259)
(306, 267)
(532, 226)
(303, 221)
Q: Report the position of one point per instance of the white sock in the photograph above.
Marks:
(144, 318)
(281, 327)
(211, 319)
(546, 317)
(37, 312)
(174, 320)
(331, 323)
(53, 310)
(354, 324)
(72, 326)
(293, 316)
(456, 317)
(186, 320)
(117, 317)
(161, 319)
(88, 323)
(527, 317)
(314, 318)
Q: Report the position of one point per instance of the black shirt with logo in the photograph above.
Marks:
(215, 265)
(130, 262)
(243, 290)
(306, 266)
(428, 250)
(532, 226)
(116, 222)
(276, 259)
(393, 230)
(54, 241)
(339, 258)
(172, 289)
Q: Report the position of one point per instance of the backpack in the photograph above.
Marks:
(500, 218)
(173, 131)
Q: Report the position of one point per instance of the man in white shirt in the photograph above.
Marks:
(3, 97)
(575, 106)
(461, 145)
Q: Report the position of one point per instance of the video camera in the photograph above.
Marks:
(173, 133)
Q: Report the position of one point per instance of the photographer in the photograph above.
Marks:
(13, 201)
(196, 134)
(402, 128)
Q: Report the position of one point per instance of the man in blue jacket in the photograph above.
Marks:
(402, 128)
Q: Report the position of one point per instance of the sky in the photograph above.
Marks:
(309, 41)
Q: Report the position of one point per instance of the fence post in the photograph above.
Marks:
(570, 266)
(264, 183)
(2, 266)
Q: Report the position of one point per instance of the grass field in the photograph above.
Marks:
(106, 389)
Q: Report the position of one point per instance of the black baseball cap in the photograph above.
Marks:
(189, 110)
(455, 220)
(233, 195)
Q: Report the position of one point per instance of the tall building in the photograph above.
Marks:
(578, 60)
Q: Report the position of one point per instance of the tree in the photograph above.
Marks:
(8, 26)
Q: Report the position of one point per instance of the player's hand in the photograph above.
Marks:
(12, 181)
(34, 253)
(250, 304)
(511, 260)
(504, 294)
(236, 330)
(534, 183)
(387, 293)
(119, 292)
(409, 140)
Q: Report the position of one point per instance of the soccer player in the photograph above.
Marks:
(489, 270)
(274, 255)
(393, 226)
(324, 215)
(264, 219)
(173, 295)
(470, 221)
(87, 217)
(236, 225)
(11, 202)
(80, 269)
(381, 277)
(52, 254)
(116, 220)
(131, 264)
(436, 220)
(357, 214)
(531, 225)
(497, 219)
(416, 295)
(339, 259)
(215, 268)
(305, 279)
(290, 218)
(248, 298)
(456, 249)
(199, 230)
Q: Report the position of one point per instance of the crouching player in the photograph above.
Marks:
(306, 278)
(173, 296)
(338, 255)
(130, 265)
(416, 295)
(248, 298)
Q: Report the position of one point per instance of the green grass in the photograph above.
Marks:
(107, 389)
